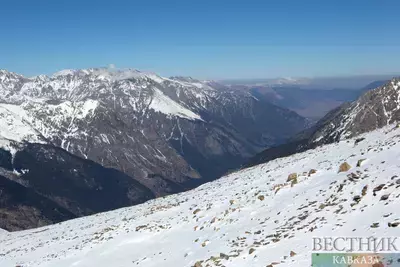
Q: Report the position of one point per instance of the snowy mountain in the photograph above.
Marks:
(261, 216)
(372, 110)
(144, 124)
(168, 134)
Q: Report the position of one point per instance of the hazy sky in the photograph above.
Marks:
(216, 39)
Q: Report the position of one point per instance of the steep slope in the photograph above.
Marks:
(374, 109)
(81, 186)
(253, 217)
(23, 208)
(42, 184)
(164, 132)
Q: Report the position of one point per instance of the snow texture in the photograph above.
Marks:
(252, 217)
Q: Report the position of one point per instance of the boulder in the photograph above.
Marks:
(291, 177)
(344, 167)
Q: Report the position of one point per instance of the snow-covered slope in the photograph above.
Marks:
(374, 109)
(253, 217)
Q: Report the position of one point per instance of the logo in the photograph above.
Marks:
(355, 251)
(359, 244)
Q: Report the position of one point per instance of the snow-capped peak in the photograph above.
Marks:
(65, 72)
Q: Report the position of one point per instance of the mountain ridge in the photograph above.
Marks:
(167, 134)
(374, 109)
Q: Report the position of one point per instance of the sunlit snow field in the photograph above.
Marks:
(253, 217)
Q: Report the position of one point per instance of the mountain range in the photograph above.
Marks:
(123, 136)
(81, 142)
(309, 102)
(374, 109)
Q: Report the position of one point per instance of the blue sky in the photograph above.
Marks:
(216, 39)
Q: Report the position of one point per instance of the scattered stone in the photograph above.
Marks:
(344, 167)
(292, 253)
(261, 197)
(232, 202)
(398, 181)
(358, 140)
(375, 225)
(312, 171)
(378, 188)
(385, 197)
(294, 181)
(291, 177)
(251, 250)
(395, 224)
(357, 198)
(223, 256)
(340, 188)
(196, 211)
(353, 176)
(364, 190)
(198, 264)
(140, 227)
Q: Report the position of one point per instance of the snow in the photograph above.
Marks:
(14, 127)
(64, 73)
(164, 104)
(29, 122)
(229, 216)
(88, 107)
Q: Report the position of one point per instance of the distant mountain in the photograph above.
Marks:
(372, 110)
(158, 130)
(373, 85)
(166, 135)
(310, 103)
